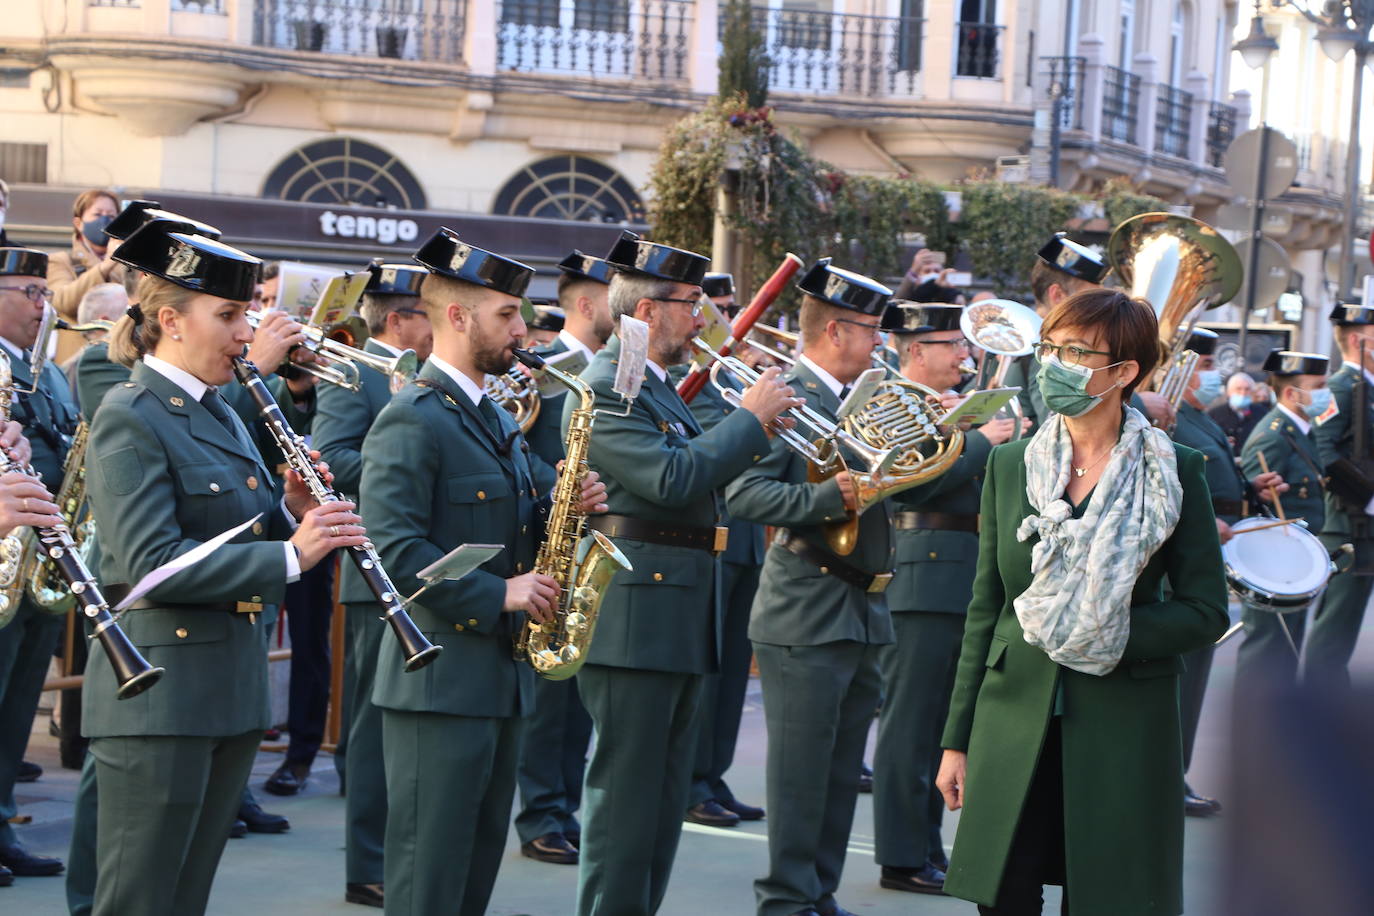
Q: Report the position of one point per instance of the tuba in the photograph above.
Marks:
(1182, 267)
(1007, 331)
(556, 650)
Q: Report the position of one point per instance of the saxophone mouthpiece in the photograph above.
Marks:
(528, 358)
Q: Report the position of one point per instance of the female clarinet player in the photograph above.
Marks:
(170, 467)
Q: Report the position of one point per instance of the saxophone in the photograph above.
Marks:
(556, 650)
(46, 585)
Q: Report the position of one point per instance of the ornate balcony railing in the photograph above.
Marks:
(1120, 104)
(1064, 85)
(1221, 130)
(977, 49)
(1172, 121)
(428, 30)
(644, 39)
(209, 7)
(841, 53)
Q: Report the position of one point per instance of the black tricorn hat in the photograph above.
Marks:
(23, 262)
(586, 266)
(1202, 341)
(714, 285)
(1352, 313)
(450, 256)
(193, 261)
(633, 254)
(547, 316)
(1292, 362)
(394, 279)
(844, 288)
(138, 213)
(1062, 253)
(905, 317)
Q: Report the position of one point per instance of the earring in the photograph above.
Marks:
(176, 337)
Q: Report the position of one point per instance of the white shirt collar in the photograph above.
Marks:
(177, 376)
(473, 390)
(573, 344)
(1301, 422)
(1369, 376)
(657, 370)
(394, 351)
(14, 351)
(830, 381)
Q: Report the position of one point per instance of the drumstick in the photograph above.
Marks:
(1273, 491)
(1274, 524)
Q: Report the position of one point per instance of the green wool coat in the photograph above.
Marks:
(1123, 759)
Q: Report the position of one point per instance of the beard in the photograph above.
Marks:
(603, 328)
(488, 354)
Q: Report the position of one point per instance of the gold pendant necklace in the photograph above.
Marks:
(1079, 472)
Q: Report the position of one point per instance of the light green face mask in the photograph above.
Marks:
(1065, 387)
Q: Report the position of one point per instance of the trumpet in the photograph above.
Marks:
(343, 359)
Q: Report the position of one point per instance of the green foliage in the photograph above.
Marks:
(1001, 224)
(1121, 200)
(744, 60)
(872, 216)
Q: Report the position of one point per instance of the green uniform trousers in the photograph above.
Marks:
(1266, 656)
(635, 791)
(166, 805)
(918, 676)
(26, 647)
(450, 781)
(365, 777)
(722, 694)
(81, 855)
(552, 761)
(818, 703)
(1336, 626)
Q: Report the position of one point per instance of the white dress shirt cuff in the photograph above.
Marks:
(293, 563)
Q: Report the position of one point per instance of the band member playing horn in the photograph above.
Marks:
(396, 322)
(553, 756)
(443, 466)
(936, 533)
(1284, 442)
(819, 620)
(45, 409)
(659, 626)
(171, 467)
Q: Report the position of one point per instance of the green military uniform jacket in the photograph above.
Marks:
(935, 568)
(797, 604)
(1336, 439)
(1294, 456)
(1122, 751)
(164, 476)
(1200, 432)
(49, 417)
(659, 466)
(95, 375)
(435, 477)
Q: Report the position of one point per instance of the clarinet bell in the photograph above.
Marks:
(131, 669)
(418, 650)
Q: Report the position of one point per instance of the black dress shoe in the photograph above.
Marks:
(938, 860)
(806, 913)
(289, 779)
(25, 864)
(865, 778)
(6, 877)
(28, 772)
(574, 839)
(553, 848)
(259, 821)
(711, 814)
(366, 894)
(238, 830)
(1200, 805)
(924, 880)
(745, 812)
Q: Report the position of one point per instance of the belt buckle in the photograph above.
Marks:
(722, 539)
(880, 583)
(247, 607)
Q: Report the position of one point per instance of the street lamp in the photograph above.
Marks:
(1256, 49)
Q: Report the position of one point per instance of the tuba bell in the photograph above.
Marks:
(1005, 331)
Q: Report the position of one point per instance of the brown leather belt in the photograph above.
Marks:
(711, 540)
(935, 521)
(831, 565)
(1234, 507)
(115, 594)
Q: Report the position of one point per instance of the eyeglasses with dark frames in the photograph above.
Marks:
(33, 291)
(1069, 354)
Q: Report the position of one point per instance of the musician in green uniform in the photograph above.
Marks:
(1349, 498)
(659, 624)
(1062, 267)
(169, 467)
(444, 466)
(1232, 498)
(1286, 439)
(396, 323)
(558, 731)
(45, 409)
(819, 620)
(936, 535)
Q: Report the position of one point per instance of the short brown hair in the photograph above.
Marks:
(1043, 276)
(1128, 326)
(86, 198)
(815, 315)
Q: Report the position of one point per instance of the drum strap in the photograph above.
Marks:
(1321, 478)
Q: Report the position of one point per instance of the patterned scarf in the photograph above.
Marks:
(1078, 606)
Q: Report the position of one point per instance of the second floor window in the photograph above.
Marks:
(977, 37)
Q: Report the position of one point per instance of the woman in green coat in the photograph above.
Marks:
(170, 467)
(1063, 745)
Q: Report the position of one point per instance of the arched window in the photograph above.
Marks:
(341, 170)
(570, 187)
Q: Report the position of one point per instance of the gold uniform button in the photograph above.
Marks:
(658, 577)
(181, 633)
(825, 570)
(257, 527)
(257, 599)
(520, 566)
(458, 627)
(128, 384)
(934, 555)
(472, 621)
(214, 487)
(758, 457)
(524, 529)
(481, 494)
(252, 482)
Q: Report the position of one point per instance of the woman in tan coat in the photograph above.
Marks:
(89, 263)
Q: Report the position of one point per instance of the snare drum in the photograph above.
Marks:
(1277, 569)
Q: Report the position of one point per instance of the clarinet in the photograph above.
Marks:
(418, 650)
(131, 669)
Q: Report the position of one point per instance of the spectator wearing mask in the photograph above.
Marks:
(1239, 413)
(89, 262)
